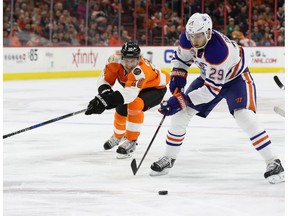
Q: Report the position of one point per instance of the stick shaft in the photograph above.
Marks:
(133, 163)
(43, 123)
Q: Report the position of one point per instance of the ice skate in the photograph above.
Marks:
(275, 172)
(126, 149)
(113, 141)
(162, 166)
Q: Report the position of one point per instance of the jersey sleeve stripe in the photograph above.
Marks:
(237, 66)
(235, 71)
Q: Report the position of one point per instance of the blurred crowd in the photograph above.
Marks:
(109, 23)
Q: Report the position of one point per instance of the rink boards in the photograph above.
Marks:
(67, 62)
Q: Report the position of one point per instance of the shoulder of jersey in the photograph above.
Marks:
(216, 50)
(116, 58)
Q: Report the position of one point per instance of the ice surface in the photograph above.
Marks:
(62, 169)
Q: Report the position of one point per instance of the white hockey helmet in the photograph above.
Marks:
(198, 23)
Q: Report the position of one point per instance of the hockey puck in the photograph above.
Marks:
(163, 192)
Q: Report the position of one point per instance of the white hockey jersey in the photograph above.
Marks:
(220, 61)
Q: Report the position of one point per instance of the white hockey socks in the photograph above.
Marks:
(247, 120)
(177, 131)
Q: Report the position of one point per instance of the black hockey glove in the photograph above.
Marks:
(105, 89)
(104, 101)
(97, 105)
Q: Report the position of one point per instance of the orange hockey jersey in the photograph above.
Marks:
(145, 75)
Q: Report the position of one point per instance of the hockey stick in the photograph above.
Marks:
(44, 123)
(279, 111)
(278, 82)
(133, 163)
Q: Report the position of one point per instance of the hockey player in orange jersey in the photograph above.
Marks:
(144, 86)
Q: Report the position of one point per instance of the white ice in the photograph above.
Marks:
(62, 169)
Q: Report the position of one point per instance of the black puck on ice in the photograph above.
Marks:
(163, 192)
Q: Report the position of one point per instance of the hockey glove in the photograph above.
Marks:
(173, 105)
(178, 80)
(97, 105)
(105, 89)
(104, 101)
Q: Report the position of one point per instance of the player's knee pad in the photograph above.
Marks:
(247, 121)
(136, 107)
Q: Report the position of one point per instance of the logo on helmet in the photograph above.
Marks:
(130, 50)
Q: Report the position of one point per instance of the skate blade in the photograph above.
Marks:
(123, 156)
(275, 179)
(164, 172)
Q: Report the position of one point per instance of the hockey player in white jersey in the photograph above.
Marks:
(224, 74)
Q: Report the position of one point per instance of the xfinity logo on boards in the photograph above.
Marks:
(84, 58)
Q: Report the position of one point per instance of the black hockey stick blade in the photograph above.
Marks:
(278, 82)
(43, 123)
(134, 166)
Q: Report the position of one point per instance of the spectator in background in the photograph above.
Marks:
(140, 14)
(25, 34)
(142, 40)
(13, 39)
(172, 35)
(237, 34)
(125, 37)
(267, 15)
(242, 18)
(281, 37)
(256, 34)
(81, 9)
(115, 40)
(230, 27)
(179, 29)
(74, 38)
(55, 39)
(104, 13)
(268, 30)
(281, 15)
(280, 40)
(266, 40)
(5, 38)
(246, 42)
(103, 39)
(34, 41)
(176, 20)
